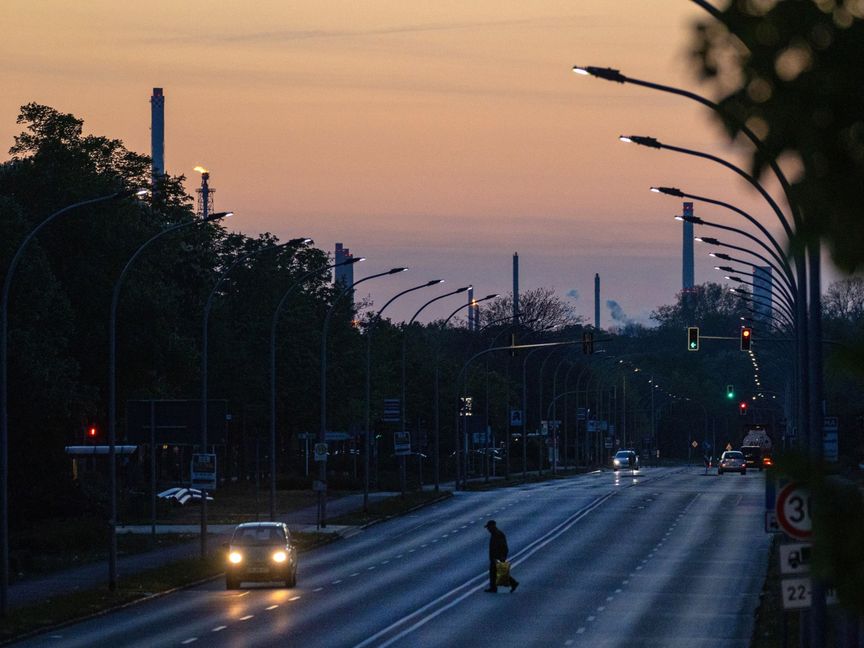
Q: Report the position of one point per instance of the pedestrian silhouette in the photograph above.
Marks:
(498, 551)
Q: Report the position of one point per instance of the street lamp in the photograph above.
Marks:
(205, 327)
(273, 325)
(322, 432)
(369, 330)
(436, 459)
(112, 390)
(4, 391)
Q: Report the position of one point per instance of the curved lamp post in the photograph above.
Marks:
(369, 330)
(322, 432)
(4, 392)
(112, 389)
(299, 282)
(205, 329)
(436, 459)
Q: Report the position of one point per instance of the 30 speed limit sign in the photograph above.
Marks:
(793, 511)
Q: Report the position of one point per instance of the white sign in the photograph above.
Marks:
(795, 558)
(695, 444)
(793, 511)
(204, 471)
(401, 443)
(797, 593)
(320, 452)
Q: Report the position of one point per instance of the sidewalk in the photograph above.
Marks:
(95, 575)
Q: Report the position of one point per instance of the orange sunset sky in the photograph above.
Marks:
(440, 135)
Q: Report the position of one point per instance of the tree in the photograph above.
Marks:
(541, 307)
(792, 72)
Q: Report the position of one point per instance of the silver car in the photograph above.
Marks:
(625, 459)
(263, 552)
(732, 460)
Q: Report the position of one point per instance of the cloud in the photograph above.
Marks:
(573, 294)
(616, 312)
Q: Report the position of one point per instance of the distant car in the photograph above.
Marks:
(627, 459)
(261, 552)
(732, 461)
(753, 456)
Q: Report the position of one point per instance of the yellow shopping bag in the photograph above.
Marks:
(502, 572)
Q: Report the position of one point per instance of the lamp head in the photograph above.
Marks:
(303, 240)
(641, 140)
(669, 191)
(488, 297)
(396, 270)
(218, 215)
(464, 288)
(707, 239)
(609, 74)
(434, 282)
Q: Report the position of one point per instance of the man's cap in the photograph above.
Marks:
(490, 523)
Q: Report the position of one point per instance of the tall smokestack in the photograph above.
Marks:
(157, 134)
(687, 253)
(515, 287)
(471, 309)
(597, 301)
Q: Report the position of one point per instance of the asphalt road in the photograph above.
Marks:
(666, 557)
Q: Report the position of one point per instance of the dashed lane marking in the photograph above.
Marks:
(295, 598)
(271, 607)
(218, 628)
(247, 617)
(189, 640)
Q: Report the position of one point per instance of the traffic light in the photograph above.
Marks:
(746, 337)
(587, 342)
(742, 408)
(92, 433)
(730, 392)
(693, 338)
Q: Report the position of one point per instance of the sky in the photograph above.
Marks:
(443, 136)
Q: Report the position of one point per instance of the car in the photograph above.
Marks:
(767, 461)
(261, 552)
(732, 460)
(753, 456)
(627, 459)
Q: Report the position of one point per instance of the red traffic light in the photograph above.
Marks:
(746, 338)
(92, 432)
(742, 408)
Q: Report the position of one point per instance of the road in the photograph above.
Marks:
(665, 557)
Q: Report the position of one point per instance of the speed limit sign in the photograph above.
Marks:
(793, 511)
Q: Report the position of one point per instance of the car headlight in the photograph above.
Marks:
(280, 557)
(616, 462)
(235, 557)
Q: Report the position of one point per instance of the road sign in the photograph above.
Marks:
(516, 418)
(337, 436)
(796, 593)
(320, 452)
(829, 439)
(795, 558)
(580, 413)
(392, 410)
(593, 425)
(401, 443)
(204, 471)
(793, 511)
(695, 444)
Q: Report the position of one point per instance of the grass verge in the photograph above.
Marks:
(390, 507)
(531, 478)
(772, 623)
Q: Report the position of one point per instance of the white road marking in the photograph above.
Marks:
(569, 642)
(384, 562)
(318, 589)
(336, 582)
(618, 591)
(370, 568)
(411, 550)
(400, 555)
(609, 598)
(591, 618)
(424, 546)
(271, 607)
(638, 567)
(355, 574)
(295, 598)
(580, 630)
(218, 628)
(247, 617)
(601, 608)
(189, 640)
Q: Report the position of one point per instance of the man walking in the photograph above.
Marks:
(498, 550)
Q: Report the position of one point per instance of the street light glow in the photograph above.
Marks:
(200, 169)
